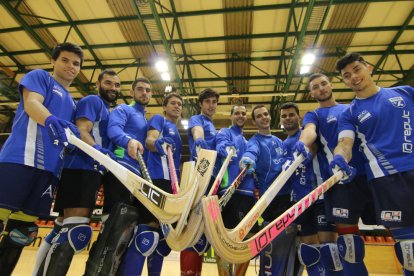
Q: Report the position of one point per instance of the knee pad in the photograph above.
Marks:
(77, 235)
(21, 233)
(202, 245)
(145, 239)
(351, 248)
(54, 232)
(308, 254)
(330, 257)
(405, 253)
(162, 248)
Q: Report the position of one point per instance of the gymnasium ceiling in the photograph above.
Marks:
(248, 50)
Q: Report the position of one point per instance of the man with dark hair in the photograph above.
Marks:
(382, 120)
(201, 135)
(32, 157)
(264, 157)
(243, 199)
(344, 204)
(127, 130)
(80, 174)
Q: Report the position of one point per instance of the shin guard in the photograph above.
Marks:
(352, 251)
(330, 259)
(156, 259)
(105, 255)
(310, 257)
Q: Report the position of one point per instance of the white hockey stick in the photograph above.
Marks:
(166, 207)
(195, 227)
(242, 251)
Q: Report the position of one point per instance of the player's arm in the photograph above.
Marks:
(85, 127)
(33, 105)
(197, 132)
(344, 148)
(308, 135)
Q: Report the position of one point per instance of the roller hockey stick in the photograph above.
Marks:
(242, 251)
(250, 219)
(194, 229)
(164, 206)
(225, 198)
(173, 174)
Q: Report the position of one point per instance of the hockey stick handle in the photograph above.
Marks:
(221, 172)
(265, 236)
(143, 167)
(173, 173)
(232, 188)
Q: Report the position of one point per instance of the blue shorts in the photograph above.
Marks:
(236, 209)
(347, 203)
(26, 189)
(393, 197)
(313, 220)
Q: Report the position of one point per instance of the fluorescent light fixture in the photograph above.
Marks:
(308, 59)
(304, 69)
(165, 76)
(161, 66)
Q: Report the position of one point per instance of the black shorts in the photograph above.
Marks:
(278, 205)
(346, 203)
(313, 220)
(236, 209)
(393, 197)
(77, 189)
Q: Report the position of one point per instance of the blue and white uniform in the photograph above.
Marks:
(344, 203)
(234, 134)
(127, 122)
(94, 109)
(157, 164)
(30, 143)
(208, 128)
(29, 161)
(384, 123)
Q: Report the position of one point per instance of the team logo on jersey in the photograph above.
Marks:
(279, 150)
(331, 119)
(171, 131)
(363, 116)
(397, 102)
(57, 91)
(340, 213)
(391, 215)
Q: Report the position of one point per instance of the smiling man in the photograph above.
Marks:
(32, 157)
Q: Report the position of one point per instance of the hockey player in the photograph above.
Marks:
(264, 156)
(201, 135)
(81, 177)
(382, 120)
(344, 204)
(127, 130)
(32, 157)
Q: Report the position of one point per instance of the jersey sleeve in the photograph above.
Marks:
(223, 137)
(195, 121)
(89, 108)
(156, 122)
(253, 150)
(310, 118)
(36, 81)
(116, 125)
(346, 127)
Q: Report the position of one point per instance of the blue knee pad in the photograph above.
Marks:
(404, 248)
(202, 245)
(162, 248)
(145, 239)
(54, 232)
(308, 254)
(24, 234)
(330, 257)
(351, 248)
(77, 235)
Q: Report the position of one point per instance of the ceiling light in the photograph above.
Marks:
(165, 76)
(161, 66)
(308, 59)
(304, 69)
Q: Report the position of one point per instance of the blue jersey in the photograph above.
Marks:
(326, 121)
(127, 122)
(209, 131)
(267, 152)
(157, 164)
(384, 124)
(234, 135)
(30, 143)
(305, 180)
(94, 109)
